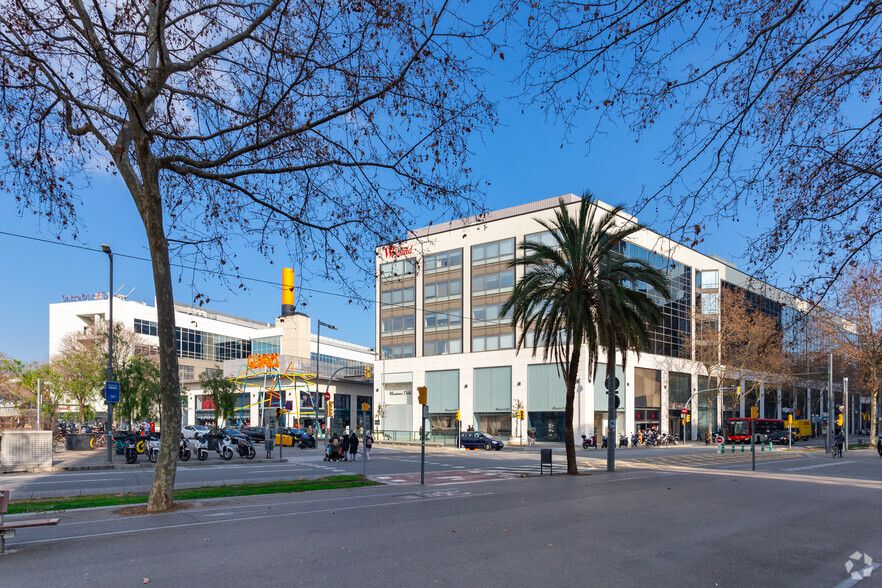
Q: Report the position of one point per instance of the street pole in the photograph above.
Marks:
(318, 348)
(845, 419)
(39, 403)
(423, 445)
(106, 249)
(752, 444)
(829, 403)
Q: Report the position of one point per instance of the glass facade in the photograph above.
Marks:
(676, 326)
(143, 327)
(266, 345)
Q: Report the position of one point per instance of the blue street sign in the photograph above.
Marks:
(111, 392)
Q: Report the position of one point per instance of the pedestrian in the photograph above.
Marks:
(707, 437)
(361, 430)
(353, 446)
(344, 445)
(368, 443)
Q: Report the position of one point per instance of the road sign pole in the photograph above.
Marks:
(423, 445)
(753, 444)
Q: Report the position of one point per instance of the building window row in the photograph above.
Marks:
(493, 283)
(443, 261)
(143, 327)
(444, 290)
(443, 319)
(492, 252)
(402, 268)
(397, 296)
(398, 324)
(493, 342)
(444, 347)
(490, 314)
(396, 351)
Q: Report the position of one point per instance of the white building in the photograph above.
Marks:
(208, 340)
(439, 326)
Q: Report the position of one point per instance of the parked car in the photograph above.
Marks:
(256, 434)
(190, 431)
(478, 440)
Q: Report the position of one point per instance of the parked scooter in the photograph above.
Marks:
(603, 446)
(184, 450)
(245, 448)
(589, 441)
(623, 440)
(634, 440)
(131, 451)
(200, 447)
(225, 447)
(152, 449)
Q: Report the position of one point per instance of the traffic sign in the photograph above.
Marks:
(289, 405)
(111, 392)
(327, 395)
(718, 439)
(684, 410)
(612, 384)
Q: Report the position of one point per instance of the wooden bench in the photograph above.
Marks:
(7, 530)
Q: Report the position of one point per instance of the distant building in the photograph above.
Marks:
(221, 343)
(439, 325)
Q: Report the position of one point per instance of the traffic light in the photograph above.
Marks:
(839, 420)
(520, 415)
(754, 412)
(738, 392)
(422, 391)
(458, 415)
(688, 418)
(367, 372)
(331, 408)
(278, 412)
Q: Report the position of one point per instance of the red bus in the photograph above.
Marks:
(738, 429)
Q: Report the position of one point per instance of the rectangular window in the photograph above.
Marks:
(442, 290)
(679, 387)
(185, 373)
(496, 282)
(143, 327)
(493, 342)
(709, 279)
(647, 390)
(489, 315)
(443, 390)
(492, 389)
(443, 261)
(443, 319)
(444, 347)
(397, 296)
(396, 351)
(401, 268)
(398, 324)
(491, 252)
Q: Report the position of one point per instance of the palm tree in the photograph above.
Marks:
(581, 290)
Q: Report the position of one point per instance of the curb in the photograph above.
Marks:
(134, 466)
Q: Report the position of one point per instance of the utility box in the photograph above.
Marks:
(545, 461)
(26, 450)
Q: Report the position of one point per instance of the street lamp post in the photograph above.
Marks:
(318, 348)
(106, 249)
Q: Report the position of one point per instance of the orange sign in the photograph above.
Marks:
(267, 360)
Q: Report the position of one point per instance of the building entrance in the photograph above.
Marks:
(549, 425)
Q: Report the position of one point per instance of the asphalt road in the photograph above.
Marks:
(443, 466)
(682, 526)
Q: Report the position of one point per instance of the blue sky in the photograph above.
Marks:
(523, 159)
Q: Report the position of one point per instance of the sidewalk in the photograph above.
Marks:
(96, 459)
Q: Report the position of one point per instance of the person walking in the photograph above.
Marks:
(353, 446)
(707, 437)
(368, 443)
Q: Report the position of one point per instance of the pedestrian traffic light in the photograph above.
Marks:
(422, 391)
(458, 415)
(331, 408)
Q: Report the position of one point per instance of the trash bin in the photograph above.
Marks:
(79, 442)
(545, 461)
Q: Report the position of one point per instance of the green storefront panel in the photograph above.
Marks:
(492, 389)
(443, 390)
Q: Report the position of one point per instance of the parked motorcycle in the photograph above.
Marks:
(623, 440)
(589, 441)
(152, 449)
(130, 450)
(245, 448)
(200, 446)
(184, 450)
(225, 447)
(603, 446)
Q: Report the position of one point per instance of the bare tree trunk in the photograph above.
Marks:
(150, 207)
(874, 407)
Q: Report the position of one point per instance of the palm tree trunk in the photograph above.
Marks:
(611, 406)
(569, 435)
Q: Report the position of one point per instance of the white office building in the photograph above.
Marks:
(438, 320)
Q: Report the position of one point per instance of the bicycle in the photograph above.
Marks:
(98, 441)
(59, 443)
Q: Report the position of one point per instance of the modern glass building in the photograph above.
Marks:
(439, 295)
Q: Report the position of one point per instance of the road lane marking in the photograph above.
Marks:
(820, 465)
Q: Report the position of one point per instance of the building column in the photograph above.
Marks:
(779, 402)
(762, 400)
(665, 408)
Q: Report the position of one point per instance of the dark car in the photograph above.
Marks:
(479, 440)
(256, 434)
(297, 435)
(781, 437)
